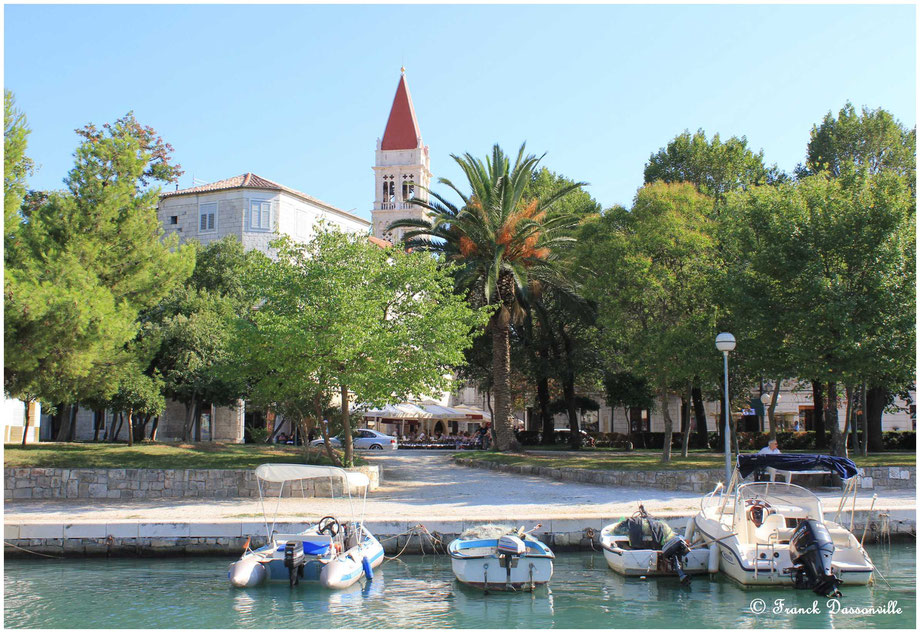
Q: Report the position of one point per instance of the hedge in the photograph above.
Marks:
(747, 441)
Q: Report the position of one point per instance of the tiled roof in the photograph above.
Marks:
(402, 128)
(379, 242)
(250, 180)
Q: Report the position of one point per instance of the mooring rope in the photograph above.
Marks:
(31, 552)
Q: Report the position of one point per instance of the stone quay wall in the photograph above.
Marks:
(153, 483)
(700, 480)
(229, 537)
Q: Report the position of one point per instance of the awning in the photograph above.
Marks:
(411, 411)
(796, 463)
(293, 472)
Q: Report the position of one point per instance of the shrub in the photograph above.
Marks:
(899, 440)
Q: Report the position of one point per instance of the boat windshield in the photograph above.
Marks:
(789, 500)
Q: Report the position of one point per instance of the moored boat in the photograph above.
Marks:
(501, 558)
(772, 533)
(335, 554)
(644, 546)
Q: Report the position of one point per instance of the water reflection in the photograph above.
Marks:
(419, 592)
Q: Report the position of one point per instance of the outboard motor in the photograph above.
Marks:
(294, 561)
(510, 549)
(811, 550)
(673, 551)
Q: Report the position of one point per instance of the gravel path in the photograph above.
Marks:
(419, 485)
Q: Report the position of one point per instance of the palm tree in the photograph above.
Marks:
(503, 244)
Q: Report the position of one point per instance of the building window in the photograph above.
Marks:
(260, 215)
(207, 217)
(174, 219)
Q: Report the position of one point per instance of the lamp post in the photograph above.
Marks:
(725, 343)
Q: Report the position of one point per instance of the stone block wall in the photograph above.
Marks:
(704, 480)
(147, 483)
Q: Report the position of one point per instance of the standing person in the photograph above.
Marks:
(311, 436)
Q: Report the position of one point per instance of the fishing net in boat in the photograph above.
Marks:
(487, 531)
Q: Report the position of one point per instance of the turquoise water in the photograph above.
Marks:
(420, 592)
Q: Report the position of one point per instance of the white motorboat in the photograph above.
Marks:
(772, 533)
(501, 558)
(644, 546)
(336, 554)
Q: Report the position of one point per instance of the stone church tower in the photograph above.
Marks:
(402, 170)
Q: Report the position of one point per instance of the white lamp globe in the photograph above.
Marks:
(725, 342)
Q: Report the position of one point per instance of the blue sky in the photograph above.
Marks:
(299, 94)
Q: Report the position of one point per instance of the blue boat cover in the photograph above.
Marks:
(796, 463)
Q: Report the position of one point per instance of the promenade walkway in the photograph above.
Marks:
(421, 486)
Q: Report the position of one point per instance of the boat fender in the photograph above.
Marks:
(691, 530)
(368, 571)
(713, 558)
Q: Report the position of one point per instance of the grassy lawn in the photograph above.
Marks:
(157, 455)
(649, 460)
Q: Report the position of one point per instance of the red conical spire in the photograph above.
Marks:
(402, 129)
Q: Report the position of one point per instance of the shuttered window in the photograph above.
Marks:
(260, 215)
(207, 217)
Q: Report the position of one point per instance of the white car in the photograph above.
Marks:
(364, 439)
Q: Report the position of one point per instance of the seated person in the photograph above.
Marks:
(772, 448)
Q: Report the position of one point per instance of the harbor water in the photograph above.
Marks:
(421, 592)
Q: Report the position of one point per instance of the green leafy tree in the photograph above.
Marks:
(870, 139)
(16, 165)
(832, 261)
(653, 279)
(340, 316)
(714, 167)
(502, 243)
(195, 325)
(86, 264)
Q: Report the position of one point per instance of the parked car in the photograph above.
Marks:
(561, 436)
(364, 439)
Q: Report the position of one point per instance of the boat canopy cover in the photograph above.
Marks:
(796, 463)
(293, 472)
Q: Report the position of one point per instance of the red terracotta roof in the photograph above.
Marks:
(379, 242)
(402, 129)
(250, 180)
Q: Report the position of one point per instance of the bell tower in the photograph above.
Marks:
(401, 170)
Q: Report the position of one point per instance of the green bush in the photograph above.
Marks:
(899, 440)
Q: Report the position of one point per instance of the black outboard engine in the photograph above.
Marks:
(811, 550)
(294, 561)
(673, 551)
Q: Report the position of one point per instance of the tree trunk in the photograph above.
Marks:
(324, 431)
(722, 408)
(668, 426)
(25, 422)
(699, 410)
(771, 410)
(876, 398)
(97, 414)
(153, 429)
(685, 422)
(502, 435)
(817, 390)
(546, 417)
(852, 420)
(72, 436)
(192, 412)
(130, 427)
(832, 420)
(121, 420)
(64, 430)
(568, 393)
(865, 421)
(346, 427)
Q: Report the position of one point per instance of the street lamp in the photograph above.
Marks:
(725, 343)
